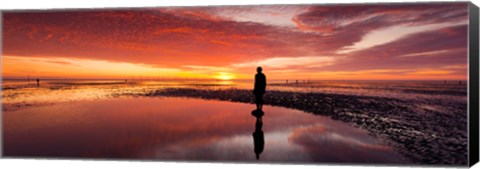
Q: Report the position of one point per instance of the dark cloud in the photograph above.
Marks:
(432, 49)
(336, 18)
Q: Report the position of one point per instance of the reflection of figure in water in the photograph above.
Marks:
(258, 139)
(259, 88)
(38, 82)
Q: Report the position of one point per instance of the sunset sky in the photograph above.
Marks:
(368, 42)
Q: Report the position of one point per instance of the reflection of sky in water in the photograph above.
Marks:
(184, 129)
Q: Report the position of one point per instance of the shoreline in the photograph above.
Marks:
(428, 137)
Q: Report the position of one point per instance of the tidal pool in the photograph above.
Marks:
(179, 129)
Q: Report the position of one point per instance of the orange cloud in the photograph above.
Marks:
(242, 38)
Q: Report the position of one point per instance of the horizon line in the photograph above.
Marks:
(213, 79)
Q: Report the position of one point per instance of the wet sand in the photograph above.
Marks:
(163, 128)
(421, 133)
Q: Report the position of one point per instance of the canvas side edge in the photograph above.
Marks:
(1, 78)
(473, 86)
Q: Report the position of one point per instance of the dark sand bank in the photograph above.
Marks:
(420, 132)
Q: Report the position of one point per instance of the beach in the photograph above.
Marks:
(419, 133)
(407, 122)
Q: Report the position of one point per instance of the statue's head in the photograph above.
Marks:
(259, 69)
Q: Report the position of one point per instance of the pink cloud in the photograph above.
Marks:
(173, 37)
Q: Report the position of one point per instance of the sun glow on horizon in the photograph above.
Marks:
(57, 67)
(225, 76)
(60, 67)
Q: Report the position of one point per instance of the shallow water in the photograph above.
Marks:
(17, 94)
(170, 128)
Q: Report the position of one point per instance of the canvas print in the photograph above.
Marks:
(322, 84)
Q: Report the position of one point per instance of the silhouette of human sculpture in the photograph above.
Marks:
(258, 138)
(259, 87)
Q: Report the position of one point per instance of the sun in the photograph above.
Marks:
(224, 76)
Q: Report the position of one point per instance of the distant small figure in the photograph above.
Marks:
(125, 80)
(296, 81)
(259, 87)
(258, 137)
(286, 81)
(38, 82)
(459, 82)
